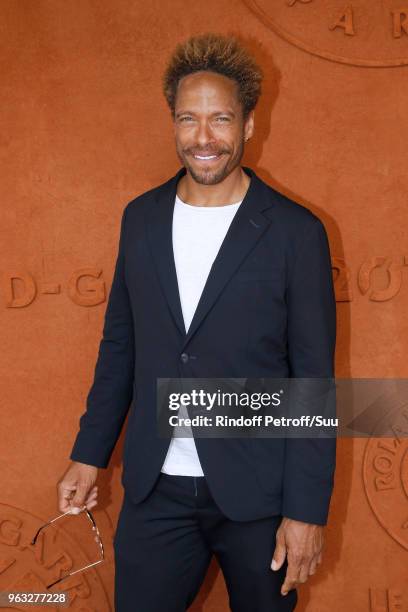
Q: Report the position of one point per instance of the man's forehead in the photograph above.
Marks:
(202, 87)
(207, 80)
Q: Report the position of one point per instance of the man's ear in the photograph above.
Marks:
(249, 125)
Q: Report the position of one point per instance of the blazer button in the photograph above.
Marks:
(184, 357)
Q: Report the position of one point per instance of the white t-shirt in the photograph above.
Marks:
(198, 232)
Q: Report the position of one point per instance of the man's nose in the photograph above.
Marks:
(204, 134)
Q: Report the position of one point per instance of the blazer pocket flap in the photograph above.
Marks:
(259, 274)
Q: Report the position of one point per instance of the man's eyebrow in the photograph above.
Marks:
(188, 112)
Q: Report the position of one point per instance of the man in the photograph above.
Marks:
(217, 275)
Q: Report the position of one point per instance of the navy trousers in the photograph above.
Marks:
(163, 547)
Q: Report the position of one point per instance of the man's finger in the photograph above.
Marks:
(65, 494)
(304, 572)
(288, 585)
(80, 495)
(91, 498)
(279, 554)
(292, 574)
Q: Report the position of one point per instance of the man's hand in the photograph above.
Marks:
(302, 543)
(76, 488)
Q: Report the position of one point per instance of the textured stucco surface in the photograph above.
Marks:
(84, 129)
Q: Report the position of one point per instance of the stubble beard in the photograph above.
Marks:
(212, 177)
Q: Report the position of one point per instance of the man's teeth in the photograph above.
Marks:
(205, 156)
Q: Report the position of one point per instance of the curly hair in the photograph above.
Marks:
(217, 53)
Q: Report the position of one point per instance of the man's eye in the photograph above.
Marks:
(185, 118)
(223, 119)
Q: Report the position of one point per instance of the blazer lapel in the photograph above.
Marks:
(245, 230)
(159, 223)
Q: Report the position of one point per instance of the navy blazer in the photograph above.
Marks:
(267, 310)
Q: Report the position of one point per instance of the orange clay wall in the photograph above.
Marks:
(84, 129)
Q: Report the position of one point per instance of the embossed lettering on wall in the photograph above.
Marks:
(361, 33)
(86, 287)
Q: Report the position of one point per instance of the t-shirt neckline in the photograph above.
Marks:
(211, 208)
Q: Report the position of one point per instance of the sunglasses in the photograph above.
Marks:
(97, 538)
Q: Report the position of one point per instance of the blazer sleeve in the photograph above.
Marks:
(310, 462)
(111, 392)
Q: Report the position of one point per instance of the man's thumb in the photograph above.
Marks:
(278, 556)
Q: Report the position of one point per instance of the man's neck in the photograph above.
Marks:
(232, 189)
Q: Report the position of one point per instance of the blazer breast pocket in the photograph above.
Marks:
(259, 274)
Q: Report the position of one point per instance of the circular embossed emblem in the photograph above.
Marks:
(28, 568)
(362, 33)
(385, 474)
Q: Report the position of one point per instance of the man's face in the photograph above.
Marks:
(209, 127)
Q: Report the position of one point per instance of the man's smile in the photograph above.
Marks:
(206, 158)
